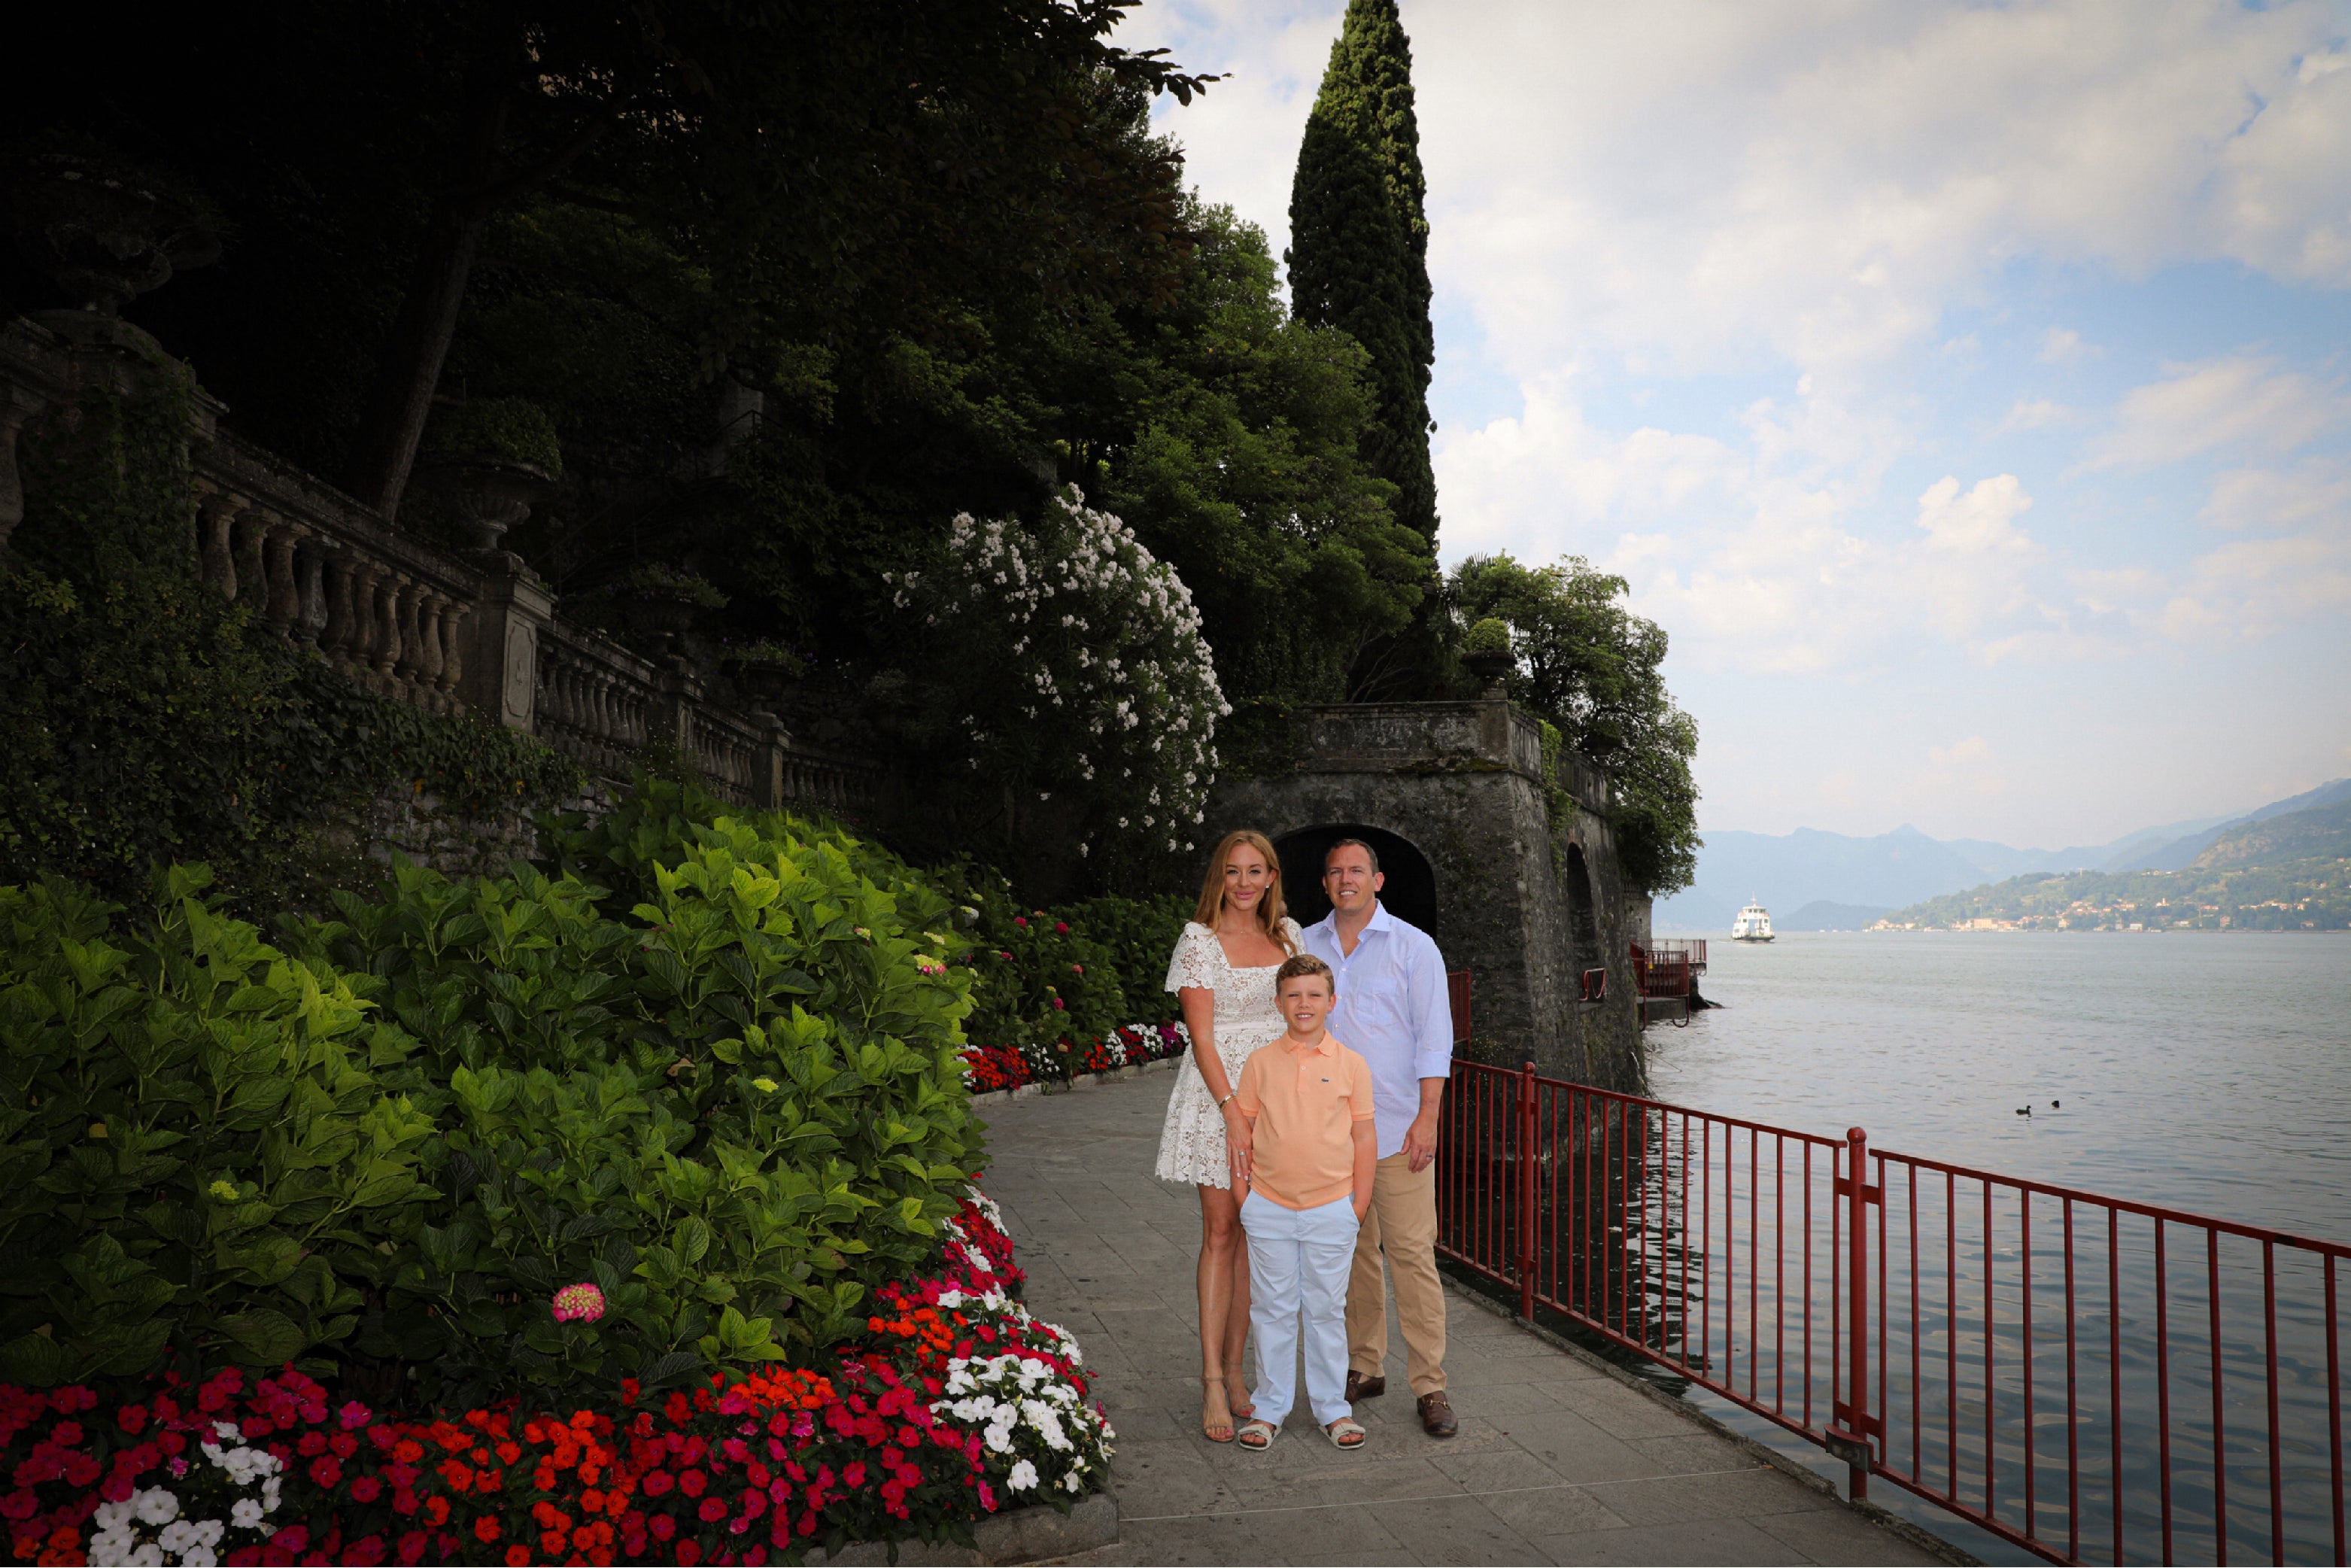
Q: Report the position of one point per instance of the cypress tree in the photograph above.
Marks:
(1359, 243)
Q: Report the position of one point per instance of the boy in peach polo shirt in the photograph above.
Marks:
(1313, 1153)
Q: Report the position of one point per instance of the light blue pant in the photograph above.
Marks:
(1298, 1263)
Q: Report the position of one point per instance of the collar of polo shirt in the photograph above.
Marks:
(1326, 1045)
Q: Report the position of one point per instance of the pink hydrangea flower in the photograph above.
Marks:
(583, 1302)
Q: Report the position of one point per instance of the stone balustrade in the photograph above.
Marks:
(410, 619)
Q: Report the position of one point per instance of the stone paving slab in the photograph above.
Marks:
(1557, 1461)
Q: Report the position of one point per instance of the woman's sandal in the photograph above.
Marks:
(1242, 1406)
(1215, 1416)
(1347, 1432)
(1256, 1435)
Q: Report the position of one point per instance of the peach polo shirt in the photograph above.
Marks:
(1306, 1100)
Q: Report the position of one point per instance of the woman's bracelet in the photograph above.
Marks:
(1229, 1096)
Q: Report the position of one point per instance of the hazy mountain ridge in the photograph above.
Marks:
(2283, 872)
(1896, 870)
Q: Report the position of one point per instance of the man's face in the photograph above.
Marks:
(1349, 881)
(1306, 1002)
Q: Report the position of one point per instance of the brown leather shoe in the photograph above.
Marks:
(1360, 1387)
(1437, 1418)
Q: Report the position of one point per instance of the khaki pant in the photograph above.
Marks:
(1401, 1225)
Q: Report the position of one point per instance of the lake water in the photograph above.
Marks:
(2208, 1072)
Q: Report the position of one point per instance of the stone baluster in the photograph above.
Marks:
(252, 576)
(409, 670)
(342, 568)
(359, 646)
(285, 604)
(453, 651)
(17, 404)
(386, 649)
(218, 557)
(310, 574)
(430, 603)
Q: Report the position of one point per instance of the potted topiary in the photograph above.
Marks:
(662, 602)
(488, 459)
(1486, 651)
(762, 672)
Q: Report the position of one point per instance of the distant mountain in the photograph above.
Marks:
(2181, 853)
(1820, 915)
(2288, 873)
(2321, 834)
(1893, 870)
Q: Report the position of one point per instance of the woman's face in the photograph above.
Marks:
(1246, 877)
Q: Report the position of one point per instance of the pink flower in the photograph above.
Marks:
(1019, 920)
(1061, 928)
(583, 1302)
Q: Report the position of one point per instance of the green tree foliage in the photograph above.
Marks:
(1359, 243)
(1244, 471)
(1591, 667)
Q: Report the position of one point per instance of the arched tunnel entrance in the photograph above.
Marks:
(1410, 892)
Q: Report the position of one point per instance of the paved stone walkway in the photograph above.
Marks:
(1557, 1461)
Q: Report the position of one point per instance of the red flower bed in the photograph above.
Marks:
(898, 1438)
(989, 1067)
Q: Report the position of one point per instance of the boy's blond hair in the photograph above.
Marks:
(1304, 964)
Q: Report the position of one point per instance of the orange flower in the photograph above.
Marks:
(517, 1556)
(486, 1528)
(436, 1509)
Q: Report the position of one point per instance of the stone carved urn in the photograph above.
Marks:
(486, 491)
(1489, 668)
(102, 231)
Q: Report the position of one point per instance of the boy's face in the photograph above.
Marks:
(1306, 1000)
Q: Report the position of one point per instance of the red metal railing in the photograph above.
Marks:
(1660, 974)
(2031, 1358)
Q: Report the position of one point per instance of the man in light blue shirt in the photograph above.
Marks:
(1393, 1009)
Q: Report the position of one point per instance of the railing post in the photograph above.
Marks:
(1527, 1192)
(1849, 1438)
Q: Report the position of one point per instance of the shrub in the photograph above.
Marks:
(727, 1095)
(1488, 636)
(1061, 656)
(197, 1147)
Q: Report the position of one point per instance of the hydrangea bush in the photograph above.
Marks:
(1070, 658)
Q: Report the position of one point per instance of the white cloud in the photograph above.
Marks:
(2239, 401)
(2036, 413)
(2318, 491)
(2063, 345)
(1974, 748)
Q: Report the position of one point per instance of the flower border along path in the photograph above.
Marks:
(955, 1406)
(1002, 1072)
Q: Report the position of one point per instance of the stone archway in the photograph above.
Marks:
(1409, 891)
(1583, 913)
(1456, 797)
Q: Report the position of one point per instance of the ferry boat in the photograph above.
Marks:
(1754, 925)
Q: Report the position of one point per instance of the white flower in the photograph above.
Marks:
(1023, 1477)
(1072, 1483)
(245, 1513)
(155, 1506)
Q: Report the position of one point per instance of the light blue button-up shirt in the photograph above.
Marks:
(1393, 1007)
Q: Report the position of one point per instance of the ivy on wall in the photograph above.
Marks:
(144, 719)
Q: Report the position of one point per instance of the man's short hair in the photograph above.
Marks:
(1369, 853)
(1304, 964)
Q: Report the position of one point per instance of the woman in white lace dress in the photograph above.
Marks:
(1222, 976)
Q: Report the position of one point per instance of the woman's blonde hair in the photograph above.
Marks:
(1269, 911)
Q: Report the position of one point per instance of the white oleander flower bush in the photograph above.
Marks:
(1072, 661)
(225, 1504)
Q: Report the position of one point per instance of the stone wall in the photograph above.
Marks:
(1524, 905)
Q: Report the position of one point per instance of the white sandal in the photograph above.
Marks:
(1346, 1427)
(1256, 1435)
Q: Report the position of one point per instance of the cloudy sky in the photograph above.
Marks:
(1966, 389)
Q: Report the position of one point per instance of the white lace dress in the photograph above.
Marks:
(1192, 1144)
